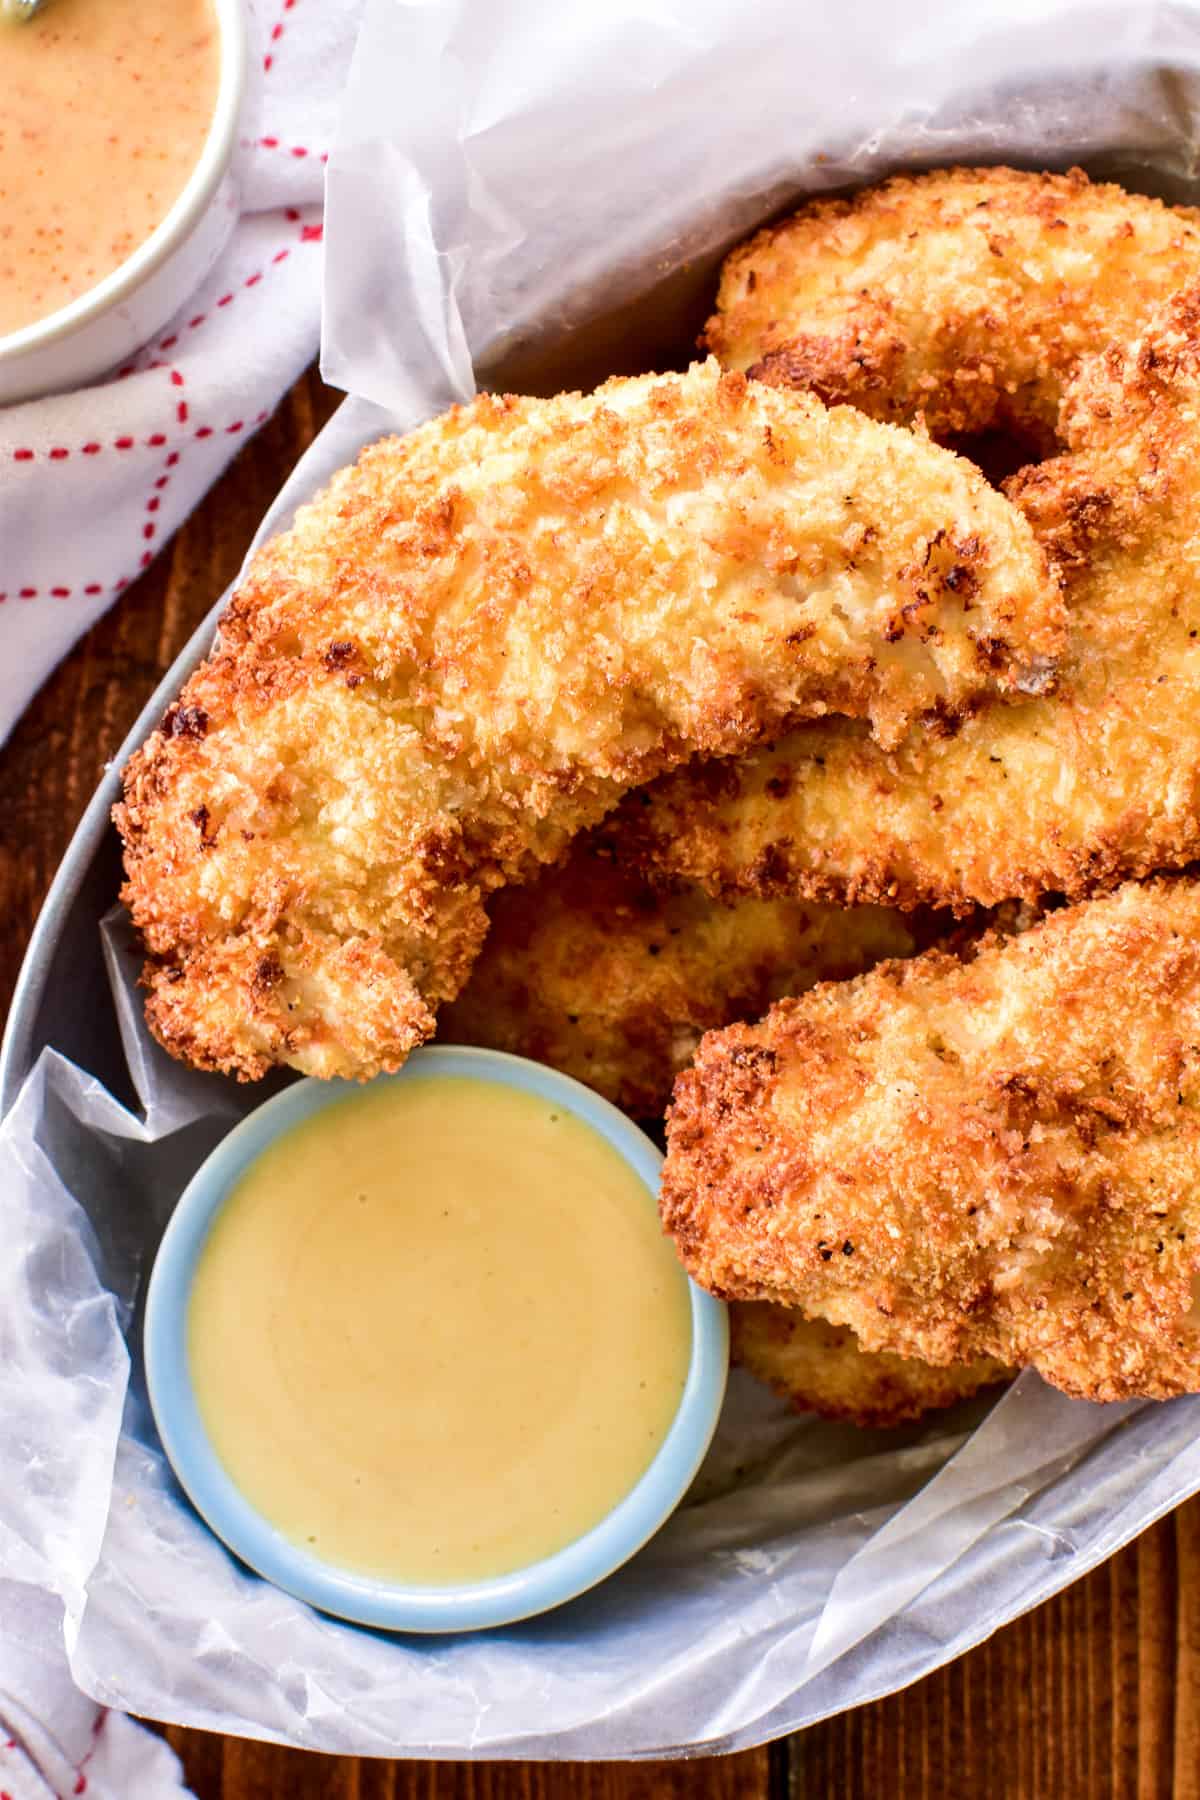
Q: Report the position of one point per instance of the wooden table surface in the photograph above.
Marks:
(1096, 1694)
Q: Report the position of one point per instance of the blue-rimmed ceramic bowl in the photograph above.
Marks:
(365, 1599)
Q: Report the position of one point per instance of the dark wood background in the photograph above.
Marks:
(1096, 1694)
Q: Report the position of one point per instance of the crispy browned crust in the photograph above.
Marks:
(823, 1368)
(477, 637)
(591, 970)
(1069, 794)
(965, 295)
(997, 1159)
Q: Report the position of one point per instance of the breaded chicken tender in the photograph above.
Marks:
(823, 1368)
(1067, 794)
(967, 295)
(480, 635)
(999, 1159)
(591, 970)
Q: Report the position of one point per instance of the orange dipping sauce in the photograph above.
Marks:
(104, 109)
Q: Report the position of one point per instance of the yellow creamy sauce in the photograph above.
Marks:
(104, 108)
(436, 1332)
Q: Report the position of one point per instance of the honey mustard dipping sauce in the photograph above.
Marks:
(435, 1333)
(104, 109)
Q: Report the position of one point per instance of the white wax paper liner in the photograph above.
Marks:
(541, 191)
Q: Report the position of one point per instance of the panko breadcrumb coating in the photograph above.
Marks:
(967, 295)
(993, 1159)
(823, 1368)
(1069, 793)
(592, 971)
(480, 635)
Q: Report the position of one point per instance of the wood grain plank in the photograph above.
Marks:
(1122, 1711)
(1185, 1767)
(1094, 1697)
(227, 1769)
(1157, 1587)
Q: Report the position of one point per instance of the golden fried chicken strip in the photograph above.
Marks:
(823, 1368)
(1066, 794)
(591, 970)
(479, 636)
(968, 295)
(998, 1159)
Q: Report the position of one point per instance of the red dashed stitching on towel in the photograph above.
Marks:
(61, 593)
(181, 410)
(299, 151)
(277, 33)
(149, 525)
(154, 501)
(98, 1724)
(309, 234)
(59, 453)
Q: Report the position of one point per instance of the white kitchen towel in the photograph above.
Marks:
(92, 483)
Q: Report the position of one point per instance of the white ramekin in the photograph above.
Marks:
(103, 327)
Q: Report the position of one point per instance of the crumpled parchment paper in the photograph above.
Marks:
(541, 192)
